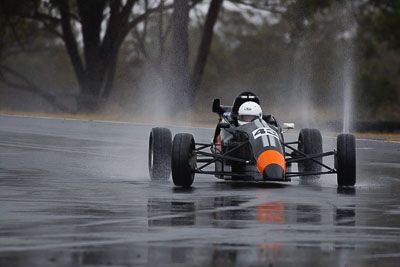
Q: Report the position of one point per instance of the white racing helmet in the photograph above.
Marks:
(248, 112)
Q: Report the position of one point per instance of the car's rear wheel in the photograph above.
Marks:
(310, 142)
(183, 162)
(159, 160)
(345, 160)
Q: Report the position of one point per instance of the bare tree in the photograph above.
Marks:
(187, 81)
(205, 45)
(180, 48)
(104, 25)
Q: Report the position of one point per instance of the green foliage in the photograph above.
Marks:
(377, 98)
(378, 41)
(377, 91)
(382, 20)
(262, 58)
(300, 13)
(8, 8)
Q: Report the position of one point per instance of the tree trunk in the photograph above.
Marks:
(205, 45)
(70, 41)
(180, 52)
(91, 14)
(96, 75)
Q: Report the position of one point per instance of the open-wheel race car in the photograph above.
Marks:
(248, 145)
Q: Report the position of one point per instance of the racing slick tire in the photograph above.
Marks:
(345, 160)
(183, 161)
(310, 142)
(160, 143)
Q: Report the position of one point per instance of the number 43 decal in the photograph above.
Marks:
(264, 131)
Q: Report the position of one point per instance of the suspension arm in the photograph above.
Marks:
(294, 174)
(222, 156)
(311, 157)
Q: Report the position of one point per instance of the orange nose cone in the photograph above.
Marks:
(269, 157)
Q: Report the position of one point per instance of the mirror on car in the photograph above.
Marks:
(288, 125)
(224, 125)
(216, 105)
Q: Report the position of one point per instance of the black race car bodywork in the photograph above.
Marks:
(255, 151)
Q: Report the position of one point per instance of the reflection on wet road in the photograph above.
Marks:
(77, 193)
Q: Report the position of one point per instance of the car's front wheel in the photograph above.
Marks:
(183, 161)
(160, 142)
(345, 160)
(310, 142)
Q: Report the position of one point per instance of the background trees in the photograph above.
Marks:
(102, 27)
(378, 38)
(90, 55)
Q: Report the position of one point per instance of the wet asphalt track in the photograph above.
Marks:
(77, 193)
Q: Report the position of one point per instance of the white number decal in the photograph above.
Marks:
(264, 131)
